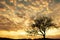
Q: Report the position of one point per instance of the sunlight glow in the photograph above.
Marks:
(53, 31)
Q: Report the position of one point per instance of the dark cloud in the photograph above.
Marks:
(2, 5)
(57, 1)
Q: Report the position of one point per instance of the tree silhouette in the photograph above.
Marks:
(43, 23)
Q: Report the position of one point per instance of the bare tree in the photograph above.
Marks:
(43, 23)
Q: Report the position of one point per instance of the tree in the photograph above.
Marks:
(43, 23)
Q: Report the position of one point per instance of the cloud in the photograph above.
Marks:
(5, 23)
(26, 10)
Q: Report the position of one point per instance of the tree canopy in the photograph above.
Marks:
(43, 23)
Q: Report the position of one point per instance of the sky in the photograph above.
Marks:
(17, 16)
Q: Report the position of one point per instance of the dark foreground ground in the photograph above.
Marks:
(27, 39)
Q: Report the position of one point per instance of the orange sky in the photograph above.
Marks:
(20, 18)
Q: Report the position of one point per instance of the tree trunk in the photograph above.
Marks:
(43, 36)
(44, 33)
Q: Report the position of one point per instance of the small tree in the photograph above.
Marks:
(43, 23)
